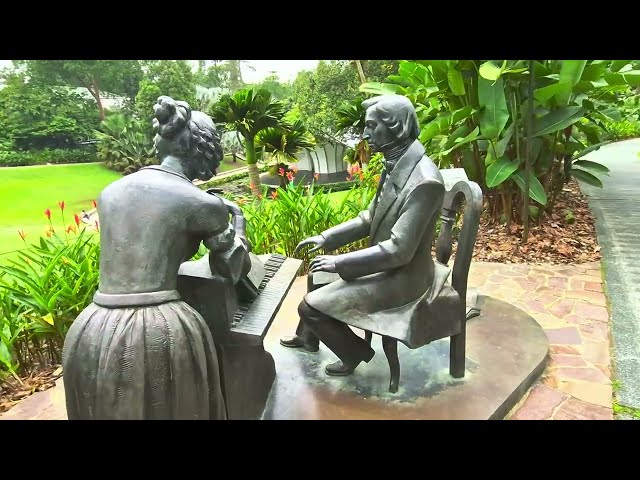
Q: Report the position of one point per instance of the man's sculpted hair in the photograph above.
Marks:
(398, 114)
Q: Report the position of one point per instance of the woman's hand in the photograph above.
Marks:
(317, 240)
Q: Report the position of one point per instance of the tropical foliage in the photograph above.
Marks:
(474, 114)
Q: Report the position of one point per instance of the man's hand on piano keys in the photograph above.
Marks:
(323, 263)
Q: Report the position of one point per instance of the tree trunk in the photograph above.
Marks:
(254, 174)
(527, 156)
(95, 91)
(358, 64)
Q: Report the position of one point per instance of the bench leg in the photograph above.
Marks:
(457, 354)
(368, 336)
(390, 346)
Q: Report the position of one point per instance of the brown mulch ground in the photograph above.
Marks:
(555, 241)
(12, 391)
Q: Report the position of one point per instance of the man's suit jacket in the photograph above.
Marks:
(394, 287)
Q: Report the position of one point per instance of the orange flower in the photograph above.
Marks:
(47, 213)
(77, 219)
(61, 205)
(49, 232)
(71, 228)
(294, 168)
(274, 194)
(281, 172)
(290, 176)
(22, 235)
(97, 226)
(95, 205)
(316, 176)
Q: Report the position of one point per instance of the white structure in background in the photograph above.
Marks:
(326, 159)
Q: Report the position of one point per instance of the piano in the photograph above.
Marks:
(239, 318)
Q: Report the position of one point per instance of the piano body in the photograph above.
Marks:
(239, 318)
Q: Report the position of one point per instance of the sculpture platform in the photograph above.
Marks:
(506, 353)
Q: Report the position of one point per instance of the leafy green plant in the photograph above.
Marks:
(294, 213)
(43, 157)
(249, 111)
(124, 144)
(474, 114)
(42, 291)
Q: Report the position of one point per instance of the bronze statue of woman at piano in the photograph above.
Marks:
(381, 288)
(139, 351)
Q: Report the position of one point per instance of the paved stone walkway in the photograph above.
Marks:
(616, 208)
(568, 303)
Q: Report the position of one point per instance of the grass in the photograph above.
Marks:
(227, 164)
(26, 192)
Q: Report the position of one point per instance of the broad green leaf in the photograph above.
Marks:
(460, 132)
(499, 171)
(494, 114)
(456, 82)
(443, 122)
(536, 190)
(613, 113)
(501, 145)
(556, 89)
(469, 164)
(48, 318)
(557, 120)
(586, 177)
(589, 149)
(570, 72)
(474, 135)
(593, 72)
(616, 65)
(631, 78)
(489, 71)
(540, 69)
(5, 356)
(378, 88)
(594, 167)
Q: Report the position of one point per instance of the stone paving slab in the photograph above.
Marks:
(577, 381)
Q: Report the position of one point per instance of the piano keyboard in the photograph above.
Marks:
(252, 319)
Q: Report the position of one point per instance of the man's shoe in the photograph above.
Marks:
(297, 342)
(339, 369)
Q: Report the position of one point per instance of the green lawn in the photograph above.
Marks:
(227, 164)
(26, 192)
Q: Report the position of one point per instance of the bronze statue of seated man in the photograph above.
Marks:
(384, 287)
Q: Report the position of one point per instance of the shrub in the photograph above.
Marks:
(43, 157)
(42, 291)
(124, 144)
(629, 128)
(295, 213)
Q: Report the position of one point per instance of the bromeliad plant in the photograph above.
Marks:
(43, 290)
(474, 114)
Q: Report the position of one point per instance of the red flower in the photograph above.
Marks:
(49, 232)
(281, 172)
(95, 205)
(71, 228)
(22, 234)
(274, 194)
(77, 219)
(290, 176)
(61, 205)
(47, 213)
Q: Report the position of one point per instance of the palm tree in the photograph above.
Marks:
(249, 111)
(284, 143)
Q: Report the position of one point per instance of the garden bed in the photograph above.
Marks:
(555, 241)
